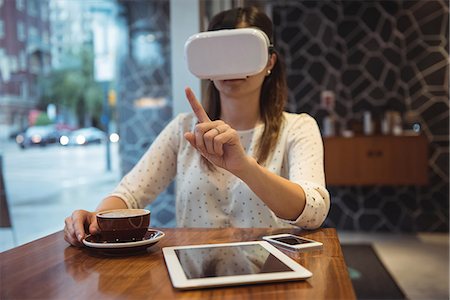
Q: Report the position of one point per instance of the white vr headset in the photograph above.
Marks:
(227, 54)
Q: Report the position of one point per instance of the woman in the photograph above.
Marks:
(243, 162)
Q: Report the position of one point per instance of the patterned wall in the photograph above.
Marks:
(144, 100)
(376, 56)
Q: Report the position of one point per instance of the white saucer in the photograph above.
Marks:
(151, 237)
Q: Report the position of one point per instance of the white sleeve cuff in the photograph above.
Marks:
(316, 207)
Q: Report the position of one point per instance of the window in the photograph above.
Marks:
(33, 9)
(33, 33)
(2, 27)
(5, 71)
(20, 5)
(22, 60)
(24, 90)
(44, 12)
(20, 31)
(13, 63)
(45, 37)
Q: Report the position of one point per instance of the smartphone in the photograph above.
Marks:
(293, 242)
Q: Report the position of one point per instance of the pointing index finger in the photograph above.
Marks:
(197, 108)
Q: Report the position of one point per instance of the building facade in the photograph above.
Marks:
(24, 56)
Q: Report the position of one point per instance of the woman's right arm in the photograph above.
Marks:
(156, 168)
(83, 221)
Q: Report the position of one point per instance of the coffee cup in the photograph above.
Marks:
(123, 225)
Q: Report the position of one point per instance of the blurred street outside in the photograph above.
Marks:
(45, 184)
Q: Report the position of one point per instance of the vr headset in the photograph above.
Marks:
(227, 54)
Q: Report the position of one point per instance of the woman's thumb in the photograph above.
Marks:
(190, 137)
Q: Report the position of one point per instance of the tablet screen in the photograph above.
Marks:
(228, 261)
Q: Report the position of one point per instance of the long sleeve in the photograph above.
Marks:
(306, 168)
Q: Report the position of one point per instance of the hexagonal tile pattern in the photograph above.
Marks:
(376, 56)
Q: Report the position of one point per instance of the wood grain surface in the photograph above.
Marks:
(49, 268)
(376, 160)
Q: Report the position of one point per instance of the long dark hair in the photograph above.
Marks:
(274, 89)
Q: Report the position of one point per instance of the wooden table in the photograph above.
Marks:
(49, 268)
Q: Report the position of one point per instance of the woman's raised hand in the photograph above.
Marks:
(215, 140)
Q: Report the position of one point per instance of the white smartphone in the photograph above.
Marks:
(293, 242)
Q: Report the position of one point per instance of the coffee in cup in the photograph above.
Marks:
(123, 225)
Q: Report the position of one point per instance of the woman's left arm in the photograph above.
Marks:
(285, 198)
(302, 199)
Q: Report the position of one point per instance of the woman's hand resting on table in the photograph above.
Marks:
(215, 140)
(78, 224)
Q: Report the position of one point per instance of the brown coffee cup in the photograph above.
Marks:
(123, 225)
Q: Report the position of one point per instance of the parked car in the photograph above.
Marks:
(13, 134)
(83, 136)
(37, 135)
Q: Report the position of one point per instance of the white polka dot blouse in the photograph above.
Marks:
(217, 198)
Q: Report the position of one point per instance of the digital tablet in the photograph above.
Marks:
(212, 265)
